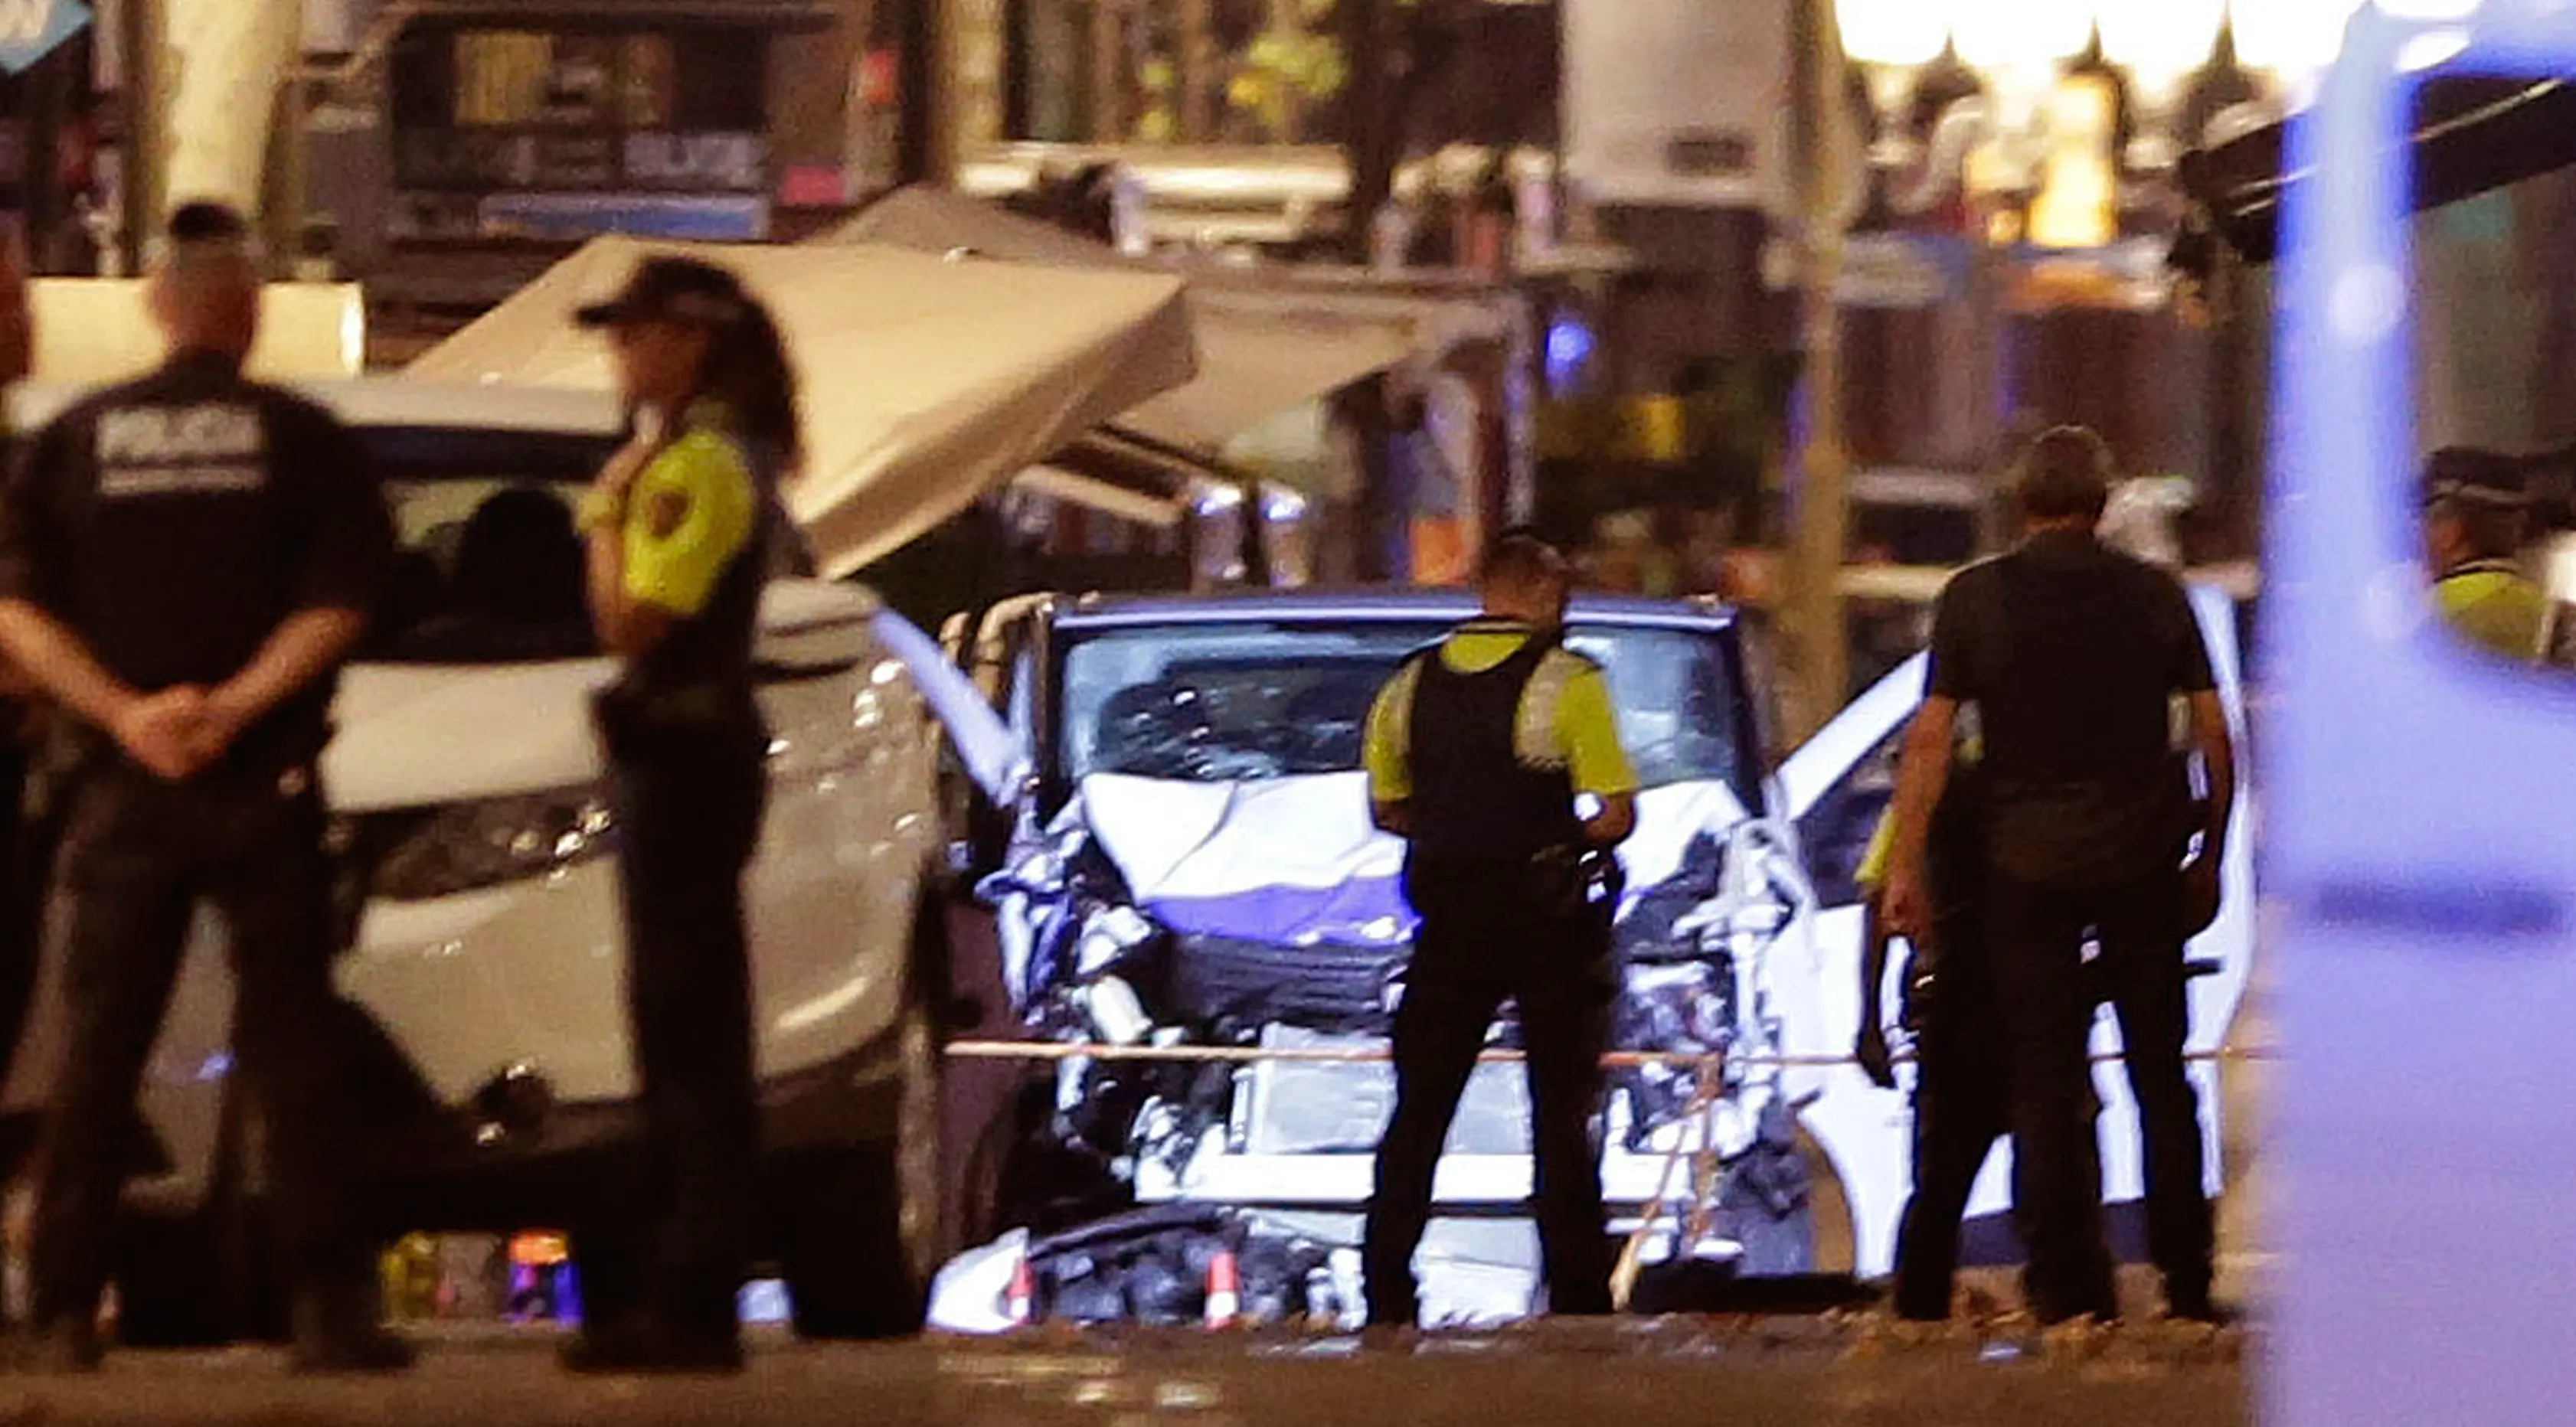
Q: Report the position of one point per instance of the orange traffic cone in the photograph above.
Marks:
(1021, 1304)
(1224, 1290)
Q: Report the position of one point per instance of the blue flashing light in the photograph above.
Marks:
(1570, 345)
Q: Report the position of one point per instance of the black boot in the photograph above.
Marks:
(339, 1330)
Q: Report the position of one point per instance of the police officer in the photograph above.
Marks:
(2475, 513)
(22, 844)
(2072, 654)
(1476, 753)
(1962, 1073)
(1962, 1056)
(679, 528)
(184, 560)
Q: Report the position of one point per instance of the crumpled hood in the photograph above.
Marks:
(418, 735)
(1296, 861)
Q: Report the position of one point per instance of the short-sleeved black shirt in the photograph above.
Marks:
(173, 522)
(2072, 653)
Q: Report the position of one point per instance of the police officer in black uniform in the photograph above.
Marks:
(681, 528)
(184, 562)
(1476, 753)
(1963, 1073)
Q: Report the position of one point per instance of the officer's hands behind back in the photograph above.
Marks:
(175, 733)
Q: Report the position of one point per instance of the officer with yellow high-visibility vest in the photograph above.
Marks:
(1476, 754)
(680, 532)
(2476, 515)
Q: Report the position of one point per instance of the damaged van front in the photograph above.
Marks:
(1205, 936)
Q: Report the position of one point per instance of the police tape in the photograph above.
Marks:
(1320, 1055)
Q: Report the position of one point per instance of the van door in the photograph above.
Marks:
(2419, 788)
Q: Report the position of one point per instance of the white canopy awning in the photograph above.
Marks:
(926, 381)
(1264, 346)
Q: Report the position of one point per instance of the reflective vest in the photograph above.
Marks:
(2493, 605)
(1474, 797)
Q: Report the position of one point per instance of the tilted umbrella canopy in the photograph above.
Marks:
(926, 380)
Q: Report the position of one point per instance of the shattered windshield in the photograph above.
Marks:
(1252, 700)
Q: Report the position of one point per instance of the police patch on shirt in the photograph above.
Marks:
(666, 512)
(210, 448)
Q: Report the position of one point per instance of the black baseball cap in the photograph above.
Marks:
(2475, 477)
(669, 289)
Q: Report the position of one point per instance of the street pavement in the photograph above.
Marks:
(1745, 1372)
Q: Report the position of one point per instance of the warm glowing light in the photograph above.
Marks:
(1992, 34)
(1893, 32)
(2290, 36)
(2160, 40)
(2078, 205)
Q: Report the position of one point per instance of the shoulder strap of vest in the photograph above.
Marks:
(1533, 649)
(1523, 666)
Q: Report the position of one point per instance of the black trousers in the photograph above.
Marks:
(138, 856)
(688, 815)
(1962, 1106)
(1482, 942)
(2047, 999)
(25, 848)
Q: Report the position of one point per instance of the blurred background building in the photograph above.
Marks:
(1714, 289)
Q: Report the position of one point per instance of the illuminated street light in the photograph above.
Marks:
(2291, 38)
(2019, 46)
(2078, 203)
(2159, 43)
(1902, 33)
(2014, 34)
(1890, 40)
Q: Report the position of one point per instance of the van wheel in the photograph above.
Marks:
(860, 1239)
(1831, 1245)
(1811, 1234)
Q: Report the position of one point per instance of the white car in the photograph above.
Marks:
(485, 952)
(1193, 864)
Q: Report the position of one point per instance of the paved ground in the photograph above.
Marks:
(1742, 1372)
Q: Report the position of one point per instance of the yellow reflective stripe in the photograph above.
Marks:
(1385, 748)
(2496, 609)
(705, 475)
(1872, 873)
(1479, 650)
(1588, 729)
